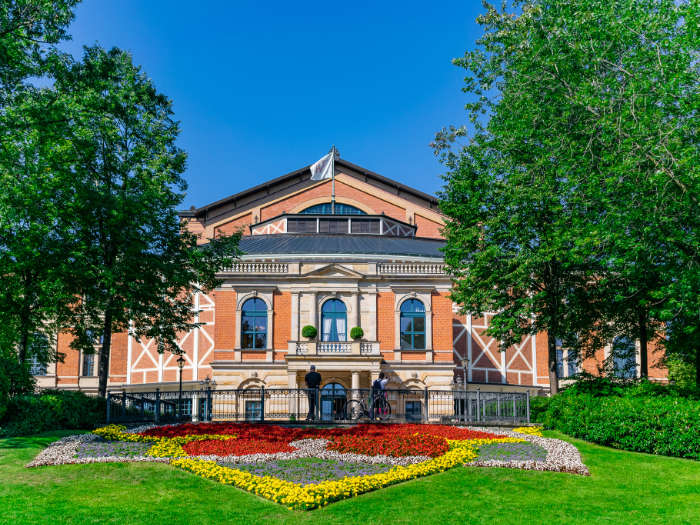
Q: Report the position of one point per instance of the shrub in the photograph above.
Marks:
(309, 331)
(52, 410)
(356, 332)
(538, 406)
(641, 417)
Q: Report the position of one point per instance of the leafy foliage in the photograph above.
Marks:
(356, 332)
(51, 410)
(639, 416)
(309, 331)
(573, 207)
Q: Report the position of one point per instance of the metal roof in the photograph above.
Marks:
(315, 244)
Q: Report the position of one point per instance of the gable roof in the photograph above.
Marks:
(300, 179)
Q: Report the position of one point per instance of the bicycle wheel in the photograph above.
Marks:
(384, 411)
(354, 410)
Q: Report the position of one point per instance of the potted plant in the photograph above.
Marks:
(309, 332)
(356, 333)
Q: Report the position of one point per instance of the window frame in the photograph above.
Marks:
(412, 316)
(254, 333)
(334, 315)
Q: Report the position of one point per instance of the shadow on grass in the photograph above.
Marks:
(36, 440)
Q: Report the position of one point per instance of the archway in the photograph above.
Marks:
(333, 401)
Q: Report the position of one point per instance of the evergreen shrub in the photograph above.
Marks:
(51, 410)
(638, 416)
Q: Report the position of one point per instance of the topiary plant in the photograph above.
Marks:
(356, 332)
(309, 331)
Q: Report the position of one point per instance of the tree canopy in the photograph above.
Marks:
(572, 207)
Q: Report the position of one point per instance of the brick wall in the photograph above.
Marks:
(225, 319)
(386, 322)
(282, 320)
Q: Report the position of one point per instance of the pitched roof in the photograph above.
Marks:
(299, 179)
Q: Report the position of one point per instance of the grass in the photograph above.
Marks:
(624, 487)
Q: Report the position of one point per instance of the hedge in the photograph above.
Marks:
(639, 417)
(51, 410)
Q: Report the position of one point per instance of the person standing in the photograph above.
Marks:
(313, 381)
(379, 394)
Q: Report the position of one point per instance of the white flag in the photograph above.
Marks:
(322, 168)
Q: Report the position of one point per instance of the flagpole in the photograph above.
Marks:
(333, 180)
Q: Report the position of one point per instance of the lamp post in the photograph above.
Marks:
(465, 366)
(180, 365)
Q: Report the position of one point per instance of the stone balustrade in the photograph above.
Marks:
(257, 267)
(334, 348)
(411, 269)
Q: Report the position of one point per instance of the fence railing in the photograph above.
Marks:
(329, 405)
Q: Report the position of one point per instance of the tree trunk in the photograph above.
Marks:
(552, 363)
(643, 344)
(23, 345)
(103, 367)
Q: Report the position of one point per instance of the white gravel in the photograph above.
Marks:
(561, 456)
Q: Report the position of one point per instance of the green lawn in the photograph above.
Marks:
(624, 488)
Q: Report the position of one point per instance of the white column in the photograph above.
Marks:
(313, 313)
(294, 329)
(356, 311)
(355, 385)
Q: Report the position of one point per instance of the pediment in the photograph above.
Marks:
(334, 270)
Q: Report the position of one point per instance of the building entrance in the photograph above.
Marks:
(333, 402)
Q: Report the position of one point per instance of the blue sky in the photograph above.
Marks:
(264, 88)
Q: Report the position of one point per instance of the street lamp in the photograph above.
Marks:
(180, 365)
(465, 367)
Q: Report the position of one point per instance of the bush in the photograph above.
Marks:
(538, 406)
(639, 416)
(15, 379)
(356, 332)
(52, 410)
(309, 331)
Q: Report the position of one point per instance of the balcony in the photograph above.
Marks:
(334, 348)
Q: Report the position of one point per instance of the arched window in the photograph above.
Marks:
(333, 321)
(624, 357)
(254, 324)
(326, 209)
(412, 325)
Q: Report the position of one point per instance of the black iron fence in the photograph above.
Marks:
(335, 405)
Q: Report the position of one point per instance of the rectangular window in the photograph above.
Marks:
(365, 226)
(333, 226)
(560, 362)
(36, 368)
(88, 365)
(301, 225)
(253, 411)
(413, 411)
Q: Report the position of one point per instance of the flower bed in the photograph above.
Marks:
(304, 468)
(392, 445)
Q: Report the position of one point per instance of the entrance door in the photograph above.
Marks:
(333, 401)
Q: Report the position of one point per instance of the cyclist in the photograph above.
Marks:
(379, 394)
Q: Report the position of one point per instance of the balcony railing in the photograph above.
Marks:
(333, 348)
(411, 269)
(257, 267)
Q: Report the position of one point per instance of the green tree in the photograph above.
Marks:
(28, 28)
(31, 251)
(137, 269)
(574, 203)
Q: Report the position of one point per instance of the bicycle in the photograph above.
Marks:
(356, 409)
